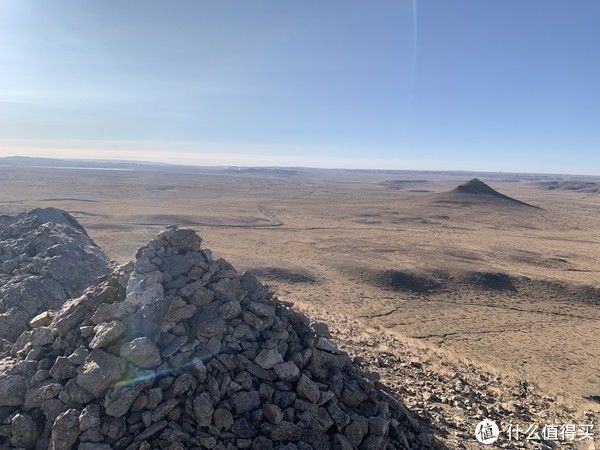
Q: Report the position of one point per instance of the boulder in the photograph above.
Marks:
(100, 372)
(142, 352)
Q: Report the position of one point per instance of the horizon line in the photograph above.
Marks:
(158, 163)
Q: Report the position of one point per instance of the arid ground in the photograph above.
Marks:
(510, 286)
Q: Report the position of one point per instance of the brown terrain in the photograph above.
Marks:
(470, 298)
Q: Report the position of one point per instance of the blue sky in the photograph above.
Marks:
(435, 84)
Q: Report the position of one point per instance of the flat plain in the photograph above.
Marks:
(510, 286)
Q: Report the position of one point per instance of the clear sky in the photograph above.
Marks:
(509, 85)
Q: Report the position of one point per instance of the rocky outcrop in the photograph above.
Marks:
(179, 350)
(46, 257)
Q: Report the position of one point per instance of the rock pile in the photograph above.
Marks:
(178, 350)
(46, 257)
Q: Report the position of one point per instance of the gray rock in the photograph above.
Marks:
(182, 239)
(65, 431)
(326, 345)
(340, 418)
(182, 384)
(23, 431)
(41, 336)
(262, 309)
(42, 319)
(118, 400)
(226, 288)
(177, 264)
(340, 442)
(256, 291)
(262, 443)
(223, 419)
(76, 393)
(151, 431)
(308, 389)
(203, 409)
(37, 396)
(372, 443)
(321, 329)
(272, 413)
(142, 352)
(107, 333)
(379, 425)
(174, 346)
(75, 311)
(356, 430)
(243, 428)
(63, 369)
(353, 395)
(145, 288)
(155, 396)
(100, 372)
(89, 417)
(107, 312)
(230, 310)
(268, 358)
(245, 401)
(12, 389)
(78, 356)
(287, 371)
(201, 296)
(286, 431)
(163, 409)
(179, 310)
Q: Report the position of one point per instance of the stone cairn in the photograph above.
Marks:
(177, 350)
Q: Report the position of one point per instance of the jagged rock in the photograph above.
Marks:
(37, 396)
(273, 413)
(107, 333)
(89, 417)
(107, 312)
(142, 352)
(46, 257)
(63, 369)
(42, 320)
(287, 371)
(119, 399)
(179, 350)
(308, 389)
(223, 419)
(78, 356)
(203, 409)
(99, 372)
(23, 431)
(12, 385)
(268, 358)
(65, 431)
(244, 401)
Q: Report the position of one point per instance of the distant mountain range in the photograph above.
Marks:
(28, 161)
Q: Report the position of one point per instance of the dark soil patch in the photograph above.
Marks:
(283, 275)
(399, 280)
(493, 281)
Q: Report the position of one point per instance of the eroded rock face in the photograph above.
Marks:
(196, 355)
(46, 257)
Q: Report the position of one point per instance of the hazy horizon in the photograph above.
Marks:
(281, 166)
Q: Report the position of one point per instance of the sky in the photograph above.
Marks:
(507, 85)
